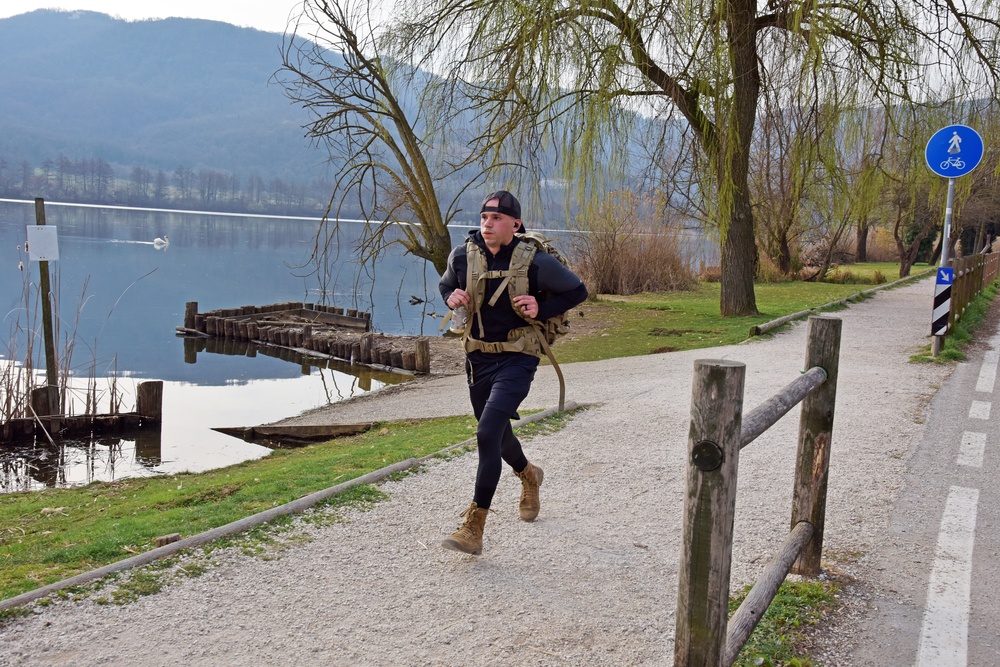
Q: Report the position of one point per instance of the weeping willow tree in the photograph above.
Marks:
(379, 120)
(586, 73)
(784, 175)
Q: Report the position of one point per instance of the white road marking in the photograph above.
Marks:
(980, 410)
(944, 636)
(972, 449)
(988, 372)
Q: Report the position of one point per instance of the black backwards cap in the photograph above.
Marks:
(506, 204)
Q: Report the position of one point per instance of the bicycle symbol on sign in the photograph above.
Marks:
(956, 162)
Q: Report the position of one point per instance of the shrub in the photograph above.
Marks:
(710, 274)
(768, 272)
(627, 250)
(881, 246)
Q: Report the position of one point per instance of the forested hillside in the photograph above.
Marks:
(176, 112)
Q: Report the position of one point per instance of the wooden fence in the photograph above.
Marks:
(718, 431)
(972, 274)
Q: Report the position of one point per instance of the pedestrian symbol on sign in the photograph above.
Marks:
(955, 144)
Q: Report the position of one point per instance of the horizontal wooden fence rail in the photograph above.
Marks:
(972, 274)
(704, 637)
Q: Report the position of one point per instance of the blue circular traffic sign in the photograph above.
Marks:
(954, 151)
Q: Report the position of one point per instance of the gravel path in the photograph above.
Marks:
(592, 582)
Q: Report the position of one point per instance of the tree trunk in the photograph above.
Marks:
(739, 249)
(739, 262)
(785, 258)
(861, 250)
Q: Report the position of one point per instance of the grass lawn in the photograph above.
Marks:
(51, 535)
(651, 323)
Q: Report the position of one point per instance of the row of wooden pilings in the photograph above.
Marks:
(45, 423)
(317, 331)
(374, 349)
(705, 635)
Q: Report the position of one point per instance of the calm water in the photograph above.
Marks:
(123, 297)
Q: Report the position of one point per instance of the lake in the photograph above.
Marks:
(123, 296)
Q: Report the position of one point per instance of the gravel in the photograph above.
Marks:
(591, 582)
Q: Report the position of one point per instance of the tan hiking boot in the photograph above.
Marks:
(531, 479)
(469, 537)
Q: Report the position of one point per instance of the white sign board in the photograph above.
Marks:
(43, 243)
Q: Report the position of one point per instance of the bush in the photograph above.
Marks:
(627, 250)
(710, 274)
(841, 276)
(881, 246)
(768, 272)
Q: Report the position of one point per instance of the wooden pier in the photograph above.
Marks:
(326, 331)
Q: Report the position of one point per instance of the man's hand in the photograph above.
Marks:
(458, 298)
(527, 304)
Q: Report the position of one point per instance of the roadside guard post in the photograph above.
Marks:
(942, 301)
(951, 152)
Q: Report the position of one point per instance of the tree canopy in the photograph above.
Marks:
(589, 69)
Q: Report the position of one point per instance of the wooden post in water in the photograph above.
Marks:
(149, 400)
(812, 463)
(422, 355)
(366, 349)
(709, 509)
(191, 315)
(51, 362)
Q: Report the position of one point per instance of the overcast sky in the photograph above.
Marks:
(270, 15)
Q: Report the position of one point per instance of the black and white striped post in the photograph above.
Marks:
(942, 307)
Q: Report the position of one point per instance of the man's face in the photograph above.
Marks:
(497, 228)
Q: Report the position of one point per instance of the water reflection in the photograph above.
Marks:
(186, 441)
(76, 462)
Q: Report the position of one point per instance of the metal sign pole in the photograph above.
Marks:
(946, 240)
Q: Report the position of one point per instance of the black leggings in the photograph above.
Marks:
(497, 385)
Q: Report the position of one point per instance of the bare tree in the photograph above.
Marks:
(378, 118)
(584, 66)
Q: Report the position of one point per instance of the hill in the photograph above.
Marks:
(160, 93)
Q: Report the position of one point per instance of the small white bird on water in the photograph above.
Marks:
(163, 241)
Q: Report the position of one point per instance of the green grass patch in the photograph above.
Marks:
(668, 322)
(47, 536)
(778, 638)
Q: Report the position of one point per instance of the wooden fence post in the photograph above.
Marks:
(709, 509)
(812, 463)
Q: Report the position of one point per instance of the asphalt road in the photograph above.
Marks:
(942, 561)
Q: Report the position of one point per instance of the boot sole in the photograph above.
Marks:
(451, 545)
